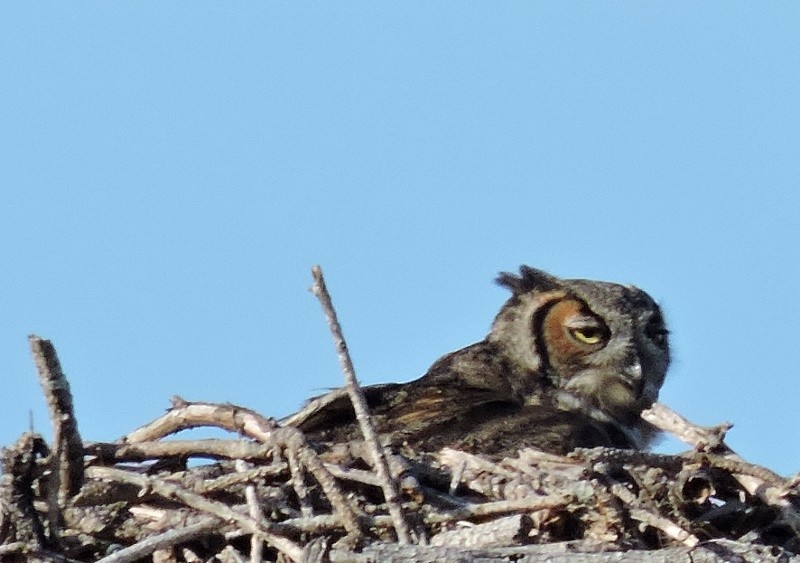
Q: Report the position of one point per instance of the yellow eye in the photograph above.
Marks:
(587, 335)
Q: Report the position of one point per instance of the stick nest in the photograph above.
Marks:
(270, 495)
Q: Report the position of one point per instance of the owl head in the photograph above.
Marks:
(603, 342)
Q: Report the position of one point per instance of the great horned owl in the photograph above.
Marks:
(567, 363)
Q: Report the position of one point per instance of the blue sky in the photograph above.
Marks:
(171, 171)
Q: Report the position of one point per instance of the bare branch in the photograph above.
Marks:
(167, 539)
(379, 461)
(220, 510)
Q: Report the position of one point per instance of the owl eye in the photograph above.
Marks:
(588, 335)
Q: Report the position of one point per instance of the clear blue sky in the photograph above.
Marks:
(171, 171)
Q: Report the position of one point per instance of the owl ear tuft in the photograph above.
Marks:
(530, 279)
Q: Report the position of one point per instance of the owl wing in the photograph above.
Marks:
(458, 387)
(334, 408)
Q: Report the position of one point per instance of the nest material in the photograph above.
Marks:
(269, 495)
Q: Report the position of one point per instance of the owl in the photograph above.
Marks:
(567, 363)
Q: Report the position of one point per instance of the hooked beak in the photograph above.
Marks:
(633, 375)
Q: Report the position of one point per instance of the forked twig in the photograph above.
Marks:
(379, 461)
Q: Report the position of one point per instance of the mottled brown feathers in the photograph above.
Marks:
(567, 363)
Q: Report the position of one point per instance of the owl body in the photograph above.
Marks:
(567, 363)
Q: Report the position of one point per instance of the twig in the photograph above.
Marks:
(734, 464)
(228, 480)
(221, 510)
(496, 533)
(758, 481)
(298, 482)
(67, 460)
(528, 504)
(185, 415)
(13, 547)
(647, 516)
(352, 474)
(166, 539)
(209, 448)
(664, 418)
(379, 461)
(254, 508)
(293, 438)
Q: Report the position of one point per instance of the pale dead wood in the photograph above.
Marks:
(497, 533)
(185, 415)
(504, 507)
(209, 448)
(757, 481)
(222, 511)
(255, 511)
(718, 551)
(161, 541)
(379, 461)
(316, 467)
(699, 437)
(13, 547)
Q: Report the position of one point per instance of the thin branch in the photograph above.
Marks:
(185, 415)
(298, 482)
(170, 490)
(254, 508)
(527, 504)
(164, 540)
(208, 448)
(699, 437)
(379, 461)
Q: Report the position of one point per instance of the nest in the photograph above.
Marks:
(270, 495)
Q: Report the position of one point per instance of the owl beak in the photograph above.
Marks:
(633, 374)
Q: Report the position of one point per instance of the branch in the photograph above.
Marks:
(221, 510)
(169, 538)
(379, 461)
(67, 460)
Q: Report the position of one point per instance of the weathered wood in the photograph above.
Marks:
(376, 451)
(67, 443)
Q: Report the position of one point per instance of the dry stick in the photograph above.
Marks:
(170, 538)
(664, 418)
(757, 481)
(297, 479)
(206, 448)
(379, 461)
(527, 504)
(67, 460)
(253, 506)
(647, 516)
(185, 415)
(308, 457)
(172, 491)
(13, 547)
(499, 532)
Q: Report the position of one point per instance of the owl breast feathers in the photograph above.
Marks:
(567, 363)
